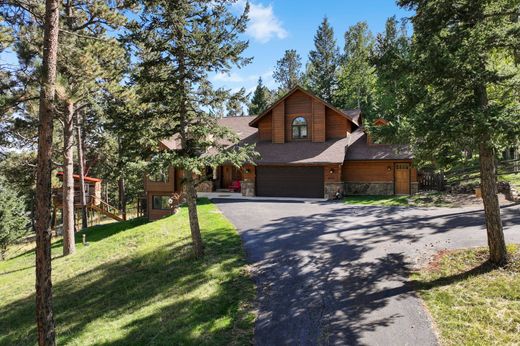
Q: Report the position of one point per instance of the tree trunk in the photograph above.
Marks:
(488, 182)
(495, 232)
(122, 196)
(44, 311)
(121, 182)
(69, 246)
(84, 220)
(191, 200)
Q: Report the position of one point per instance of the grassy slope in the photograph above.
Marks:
(138, 284)
(471, 302)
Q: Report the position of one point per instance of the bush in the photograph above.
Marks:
(13, 218)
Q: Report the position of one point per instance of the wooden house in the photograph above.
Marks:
(308, 148)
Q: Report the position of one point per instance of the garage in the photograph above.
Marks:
(276, 181)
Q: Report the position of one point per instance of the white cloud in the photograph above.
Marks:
(233, 77)
(263, 24)
(228, 77)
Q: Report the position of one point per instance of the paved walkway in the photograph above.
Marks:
(329, 274)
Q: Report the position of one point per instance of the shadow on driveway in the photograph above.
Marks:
(328, 273)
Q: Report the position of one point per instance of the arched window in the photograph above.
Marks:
(299, 128)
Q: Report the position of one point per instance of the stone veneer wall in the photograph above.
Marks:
(248, 188)
(332, 188)
(369, 188)
(205, 186)
(414, 188)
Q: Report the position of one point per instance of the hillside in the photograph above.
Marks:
(138, 284)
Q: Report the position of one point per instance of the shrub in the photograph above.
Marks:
(13, 218)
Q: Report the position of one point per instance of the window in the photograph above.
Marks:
(161, 202)
(299, 128)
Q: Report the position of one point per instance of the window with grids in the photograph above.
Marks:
(299, 128)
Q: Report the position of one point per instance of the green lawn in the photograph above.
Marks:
(138, 283)
(471, 302)
(422, 200)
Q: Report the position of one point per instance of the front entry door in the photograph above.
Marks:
(227, 176)
(402, 178)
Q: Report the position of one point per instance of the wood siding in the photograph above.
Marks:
(332, 173)
(368, 171)
(337, 125)
(265, 126)
(298, 103)
(373, 171)
(169, 185)
(318, 122)
(278, 127)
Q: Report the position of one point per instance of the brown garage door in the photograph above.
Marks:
(289, 181)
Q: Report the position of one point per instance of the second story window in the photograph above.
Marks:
(299, 128)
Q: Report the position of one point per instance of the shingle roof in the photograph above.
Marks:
(353, 147)
(359, 149)
(332, 151)
(240, 125)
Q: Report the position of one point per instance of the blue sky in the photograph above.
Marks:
(277, 25)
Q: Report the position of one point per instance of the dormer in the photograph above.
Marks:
(301, 116)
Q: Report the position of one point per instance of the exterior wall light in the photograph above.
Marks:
(331, 171)
(388, 168)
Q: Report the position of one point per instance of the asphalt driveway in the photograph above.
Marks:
(333, 274)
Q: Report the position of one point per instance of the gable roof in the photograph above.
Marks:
(352, 115)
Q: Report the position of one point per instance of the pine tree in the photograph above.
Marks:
(13, 221)
(356, 81)
(179, 44)
(261, 99)
(90, 61)
(287, 72)
(394, 83)
(44, 306)
(236, 103)
(323, 62)
(467, 89)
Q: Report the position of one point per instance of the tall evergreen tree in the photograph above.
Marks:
(13, 221)
(236, 103)
(357, 79)
(179, 43)
(467, 89)
(394, 85)
(44, 306)
(89, 62)
(261, 99)
(323, 62)
(287, 72)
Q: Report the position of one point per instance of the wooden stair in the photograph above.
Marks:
(106, 209)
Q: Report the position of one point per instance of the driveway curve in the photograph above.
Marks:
(332, 274)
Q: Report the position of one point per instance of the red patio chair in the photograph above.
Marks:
(235, 186)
